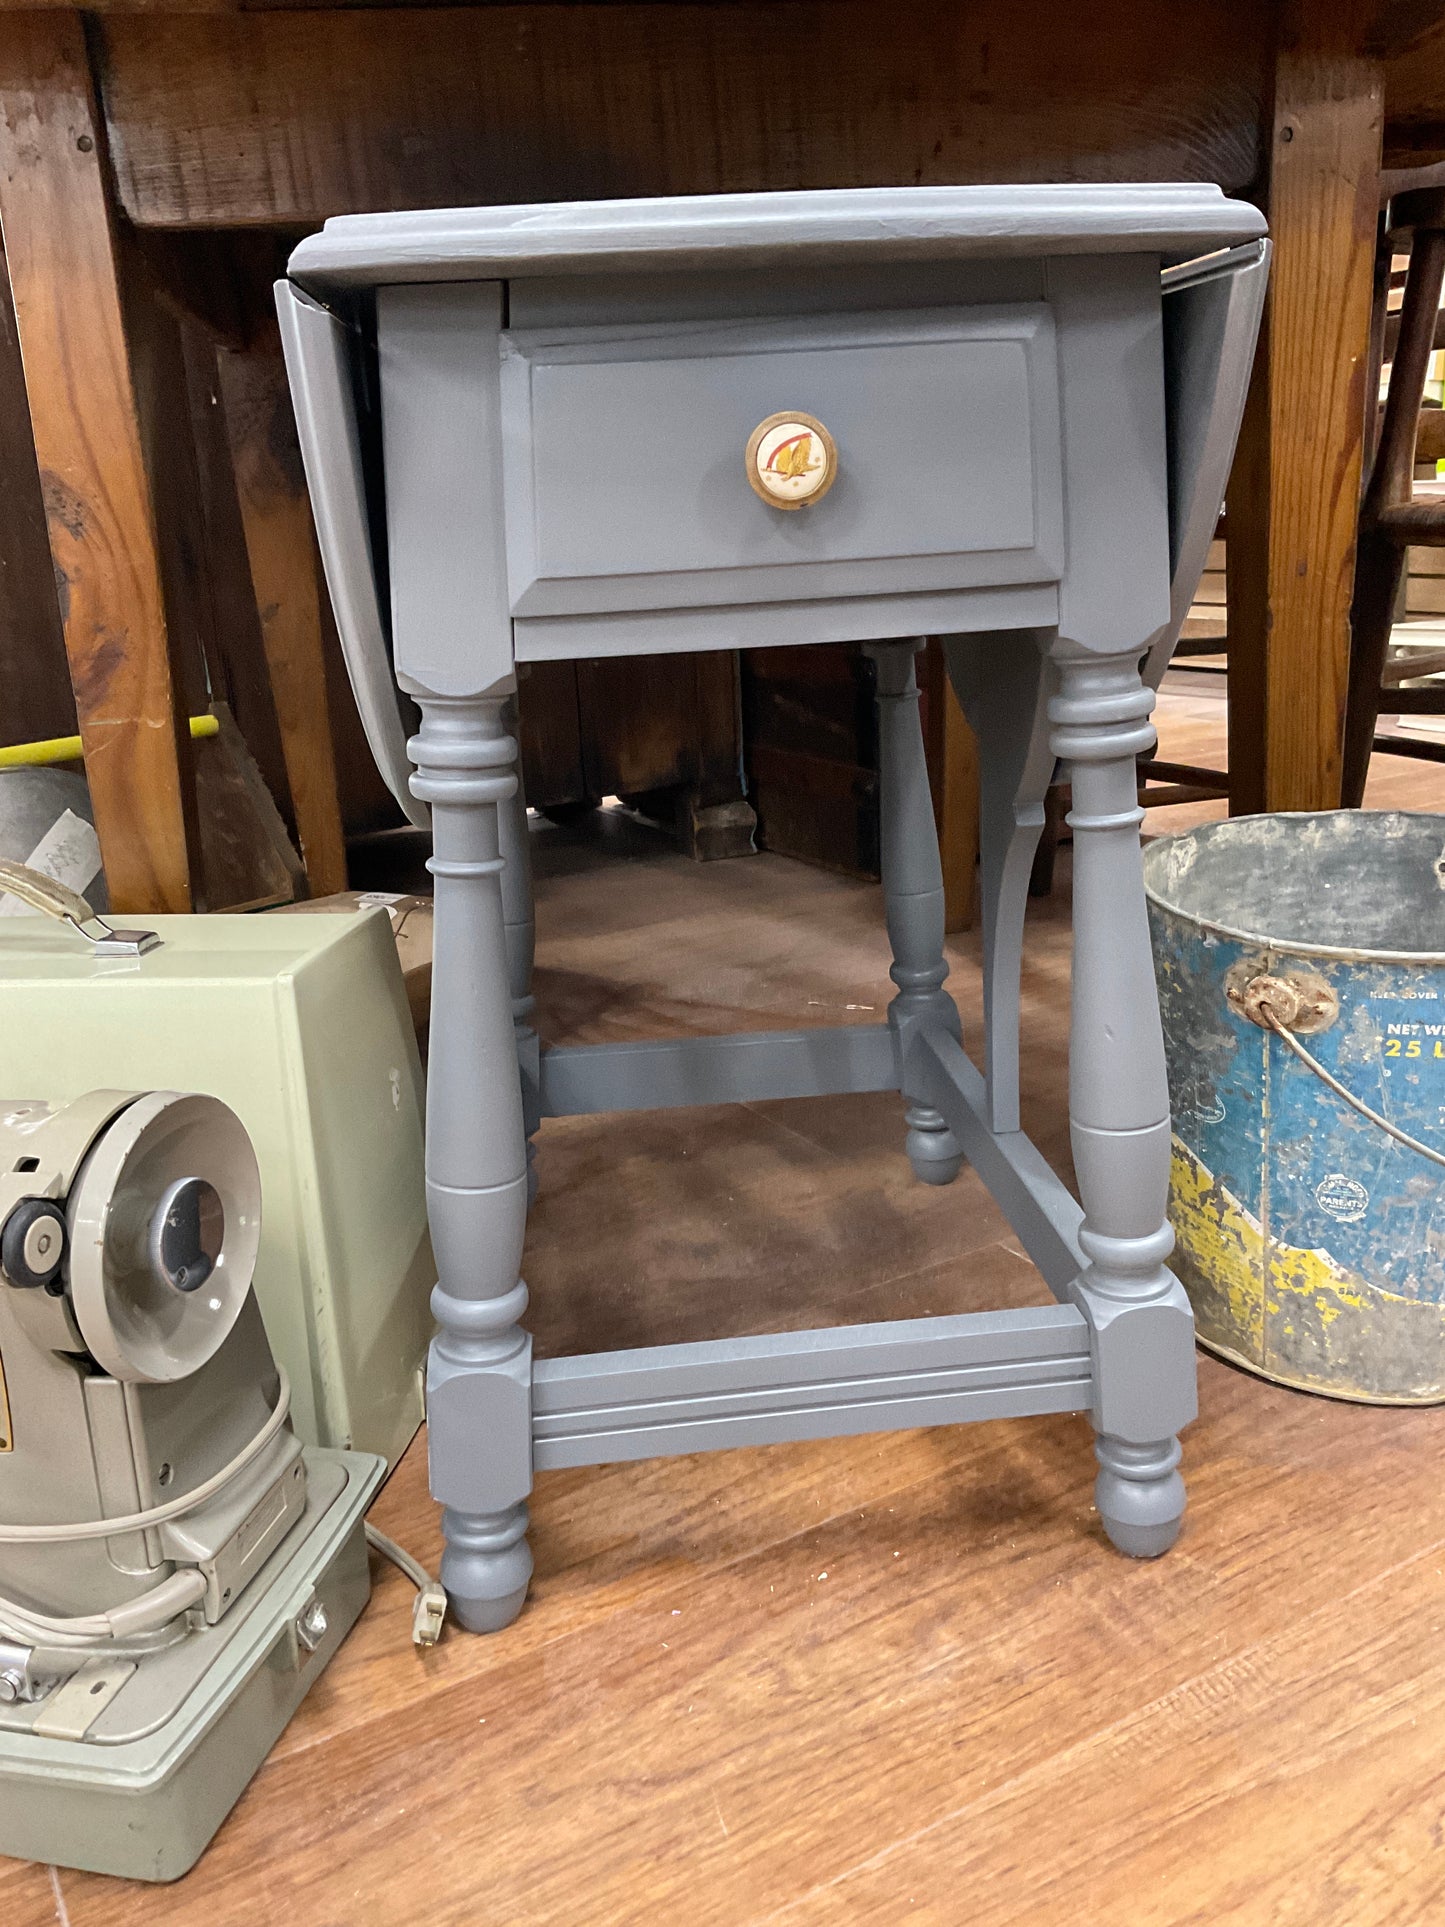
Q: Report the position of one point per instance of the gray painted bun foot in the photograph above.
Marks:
(479, 1374)
(932, 1148)
(1142, 1330)
(486, 1567)
(912, 896)
(1140, 1495)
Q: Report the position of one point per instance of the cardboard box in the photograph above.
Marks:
(411, 926)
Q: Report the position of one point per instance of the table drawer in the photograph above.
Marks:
(627, 457)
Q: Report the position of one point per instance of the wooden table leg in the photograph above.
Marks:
(61, 248)
(1142, 1330)
(1294, 496)
(479, 1378)
(276, 516)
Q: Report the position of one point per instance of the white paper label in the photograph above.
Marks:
(68, 853)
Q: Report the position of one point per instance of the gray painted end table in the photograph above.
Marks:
(1000, 415)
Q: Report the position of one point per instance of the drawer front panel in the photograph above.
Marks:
(624, 459)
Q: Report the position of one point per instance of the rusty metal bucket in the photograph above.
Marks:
(1301, 971)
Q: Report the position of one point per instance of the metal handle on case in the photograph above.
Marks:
(54, 899)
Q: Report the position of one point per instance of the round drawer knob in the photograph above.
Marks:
(791, 460)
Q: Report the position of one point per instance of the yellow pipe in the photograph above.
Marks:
(67, 749)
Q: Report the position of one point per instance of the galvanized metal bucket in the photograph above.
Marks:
(1301, 970)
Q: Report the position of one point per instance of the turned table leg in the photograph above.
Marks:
(1143, 1331)
(479, 1378)
(520, 924)
(912, 894)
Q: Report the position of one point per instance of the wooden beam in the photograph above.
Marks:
(287, 117)
(35, 697)
(1295, 493)
(1393, 28)
(137, 6)
(238, 671)
(1414, 95)
(276, 516)
(63, 269)
(1164, 796)
(248, 862)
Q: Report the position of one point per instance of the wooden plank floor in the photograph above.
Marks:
(866, 1679)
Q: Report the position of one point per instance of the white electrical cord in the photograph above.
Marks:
(431, 1602)
(162, 1603)
(151, 1610)
(158, 1515)
(186, 1588)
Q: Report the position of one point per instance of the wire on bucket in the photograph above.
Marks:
(1356, 1103)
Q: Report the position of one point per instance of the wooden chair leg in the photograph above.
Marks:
(1375, 360)
(1378, 567)
(1380, 559)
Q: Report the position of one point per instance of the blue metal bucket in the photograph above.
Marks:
(1310, 1240)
